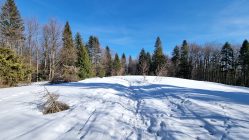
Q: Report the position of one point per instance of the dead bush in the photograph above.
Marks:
(161, 71)
(57, 79)
(55, 107)
(70, 74)
(52, 105)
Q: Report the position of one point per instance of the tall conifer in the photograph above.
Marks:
(11, 26)
(68, 52)
(116, 65)
(244, 61)
(83, 61)
(158, 58)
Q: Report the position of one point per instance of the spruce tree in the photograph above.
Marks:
(107, 61)
(158, 58)
(227, 60)
(94, 50)
(149, 61)
(85, 70)
(142, 66)
(78, 42)
(116, 65)
(184, 66)
(244, 61)
(11, 26)
(123, 63)
(176, 59)
(83, 61)
(12, 69)
(68, 54)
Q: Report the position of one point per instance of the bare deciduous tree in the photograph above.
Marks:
(32, 35)
(51, 42)
(161, 71)
(145, 69)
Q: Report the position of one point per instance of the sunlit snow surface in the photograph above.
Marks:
(128, 107)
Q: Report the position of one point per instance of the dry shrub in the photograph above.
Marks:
(70, 74)
(55, 107)
(57, 79)
(161, 71)
(67, 74)
(52, 105)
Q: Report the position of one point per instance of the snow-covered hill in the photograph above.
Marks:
(127, 108)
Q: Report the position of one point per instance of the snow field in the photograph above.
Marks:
(127, 107)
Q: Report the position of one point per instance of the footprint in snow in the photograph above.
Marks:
(163, 130)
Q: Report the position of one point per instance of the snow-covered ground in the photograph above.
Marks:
(127, 108)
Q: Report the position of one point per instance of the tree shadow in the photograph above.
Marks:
(160, 92)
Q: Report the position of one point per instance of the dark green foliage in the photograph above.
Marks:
(123, 63)
(185, 65)
(94, 49)
(227, 61)
(83, 61)
(116, 65)
(176, 60)
(228, 65)
(244, 61)
(12, 69)
(68, 56)
(68, 52)
(78, 42)
(11, 25)
(226, 57)
(143, 63)
(101, 72)
(158, 58)
(149, 61)
(107, 61)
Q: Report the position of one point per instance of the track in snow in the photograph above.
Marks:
(129, 108)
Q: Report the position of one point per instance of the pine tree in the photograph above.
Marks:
(11, 26)
(244, 61)
(149, 61)
(85, 70)
(123, 63)
(142, 66)
(158, 58)
(176, 60)
(83, 61)
(107, 61)
(68, 54)
(184, 66)
(116, 65)
(94, 51)
(130, 66)
(227, 60)
(12, 69)
(78, 42)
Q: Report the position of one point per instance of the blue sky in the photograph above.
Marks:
(129, 25)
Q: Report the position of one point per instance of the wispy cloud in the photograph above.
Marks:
(231, 23)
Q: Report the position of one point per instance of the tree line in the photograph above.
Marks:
(32, 52)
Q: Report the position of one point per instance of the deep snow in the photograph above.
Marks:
(127, 108)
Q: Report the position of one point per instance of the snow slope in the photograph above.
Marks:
(127, 108)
